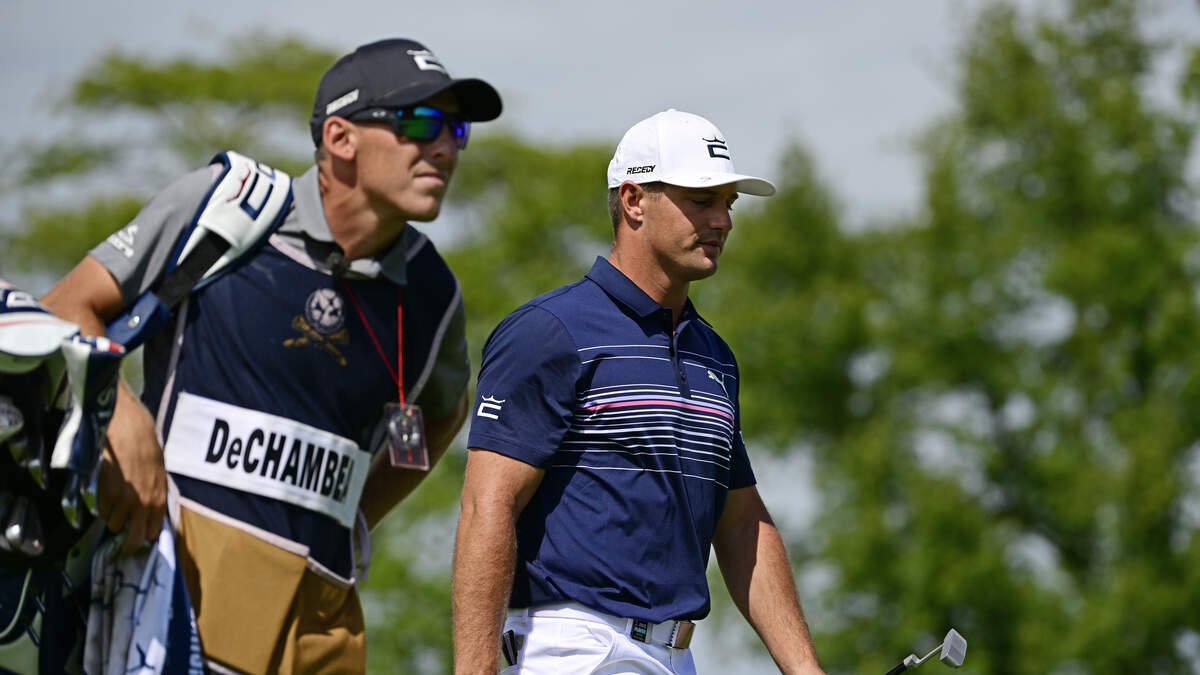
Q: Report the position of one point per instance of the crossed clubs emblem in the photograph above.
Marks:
(322, 324)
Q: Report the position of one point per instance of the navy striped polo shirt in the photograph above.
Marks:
(638, 429)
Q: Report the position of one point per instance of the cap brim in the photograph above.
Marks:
(745, 184)
(478, 101)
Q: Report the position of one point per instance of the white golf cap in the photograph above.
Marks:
(681, 149)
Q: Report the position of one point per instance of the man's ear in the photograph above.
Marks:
(630, 195)
(340, 137)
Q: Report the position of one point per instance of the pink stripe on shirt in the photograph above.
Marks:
(674, 404)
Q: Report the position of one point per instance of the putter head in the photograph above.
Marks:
(954, 649)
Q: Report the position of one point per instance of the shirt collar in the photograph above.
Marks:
(620, 287)
(310, 224)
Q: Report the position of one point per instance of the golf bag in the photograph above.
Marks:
(57, 395)
(57, 392)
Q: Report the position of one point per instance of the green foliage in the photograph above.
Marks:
(787, 295)
(169, 116)
(535, 217)
(1012, 460)
(62, 160)
(406, 599)
(261, 73)
(997, 393)
(56, 238)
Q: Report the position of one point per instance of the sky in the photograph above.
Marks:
(853, 81)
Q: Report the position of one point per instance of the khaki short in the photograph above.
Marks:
(260, 608)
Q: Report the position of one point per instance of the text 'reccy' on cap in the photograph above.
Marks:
(395, 73)
(679, 149)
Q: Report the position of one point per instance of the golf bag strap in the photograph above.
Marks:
(246, 203)
(179, 283)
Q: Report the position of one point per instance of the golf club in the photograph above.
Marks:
(24, 529)
(953, 650)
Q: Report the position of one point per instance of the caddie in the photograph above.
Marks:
(606, 452)
(294, 399)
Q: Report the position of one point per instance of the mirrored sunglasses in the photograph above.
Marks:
(419, 123)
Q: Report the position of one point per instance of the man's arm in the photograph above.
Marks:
(387, 486)
(759, 578)
(495, 491)
(133, 479)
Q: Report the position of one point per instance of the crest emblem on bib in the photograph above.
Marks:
(325, 311)
(323, 324)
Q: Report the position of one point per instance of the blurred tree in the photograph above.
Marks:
(996, 394)
(1001, 394)
(136, 122)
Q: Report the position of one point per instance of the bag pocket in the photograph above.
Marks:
(242, 588)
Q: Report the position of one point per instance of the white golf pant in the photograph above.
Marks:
(569, 639)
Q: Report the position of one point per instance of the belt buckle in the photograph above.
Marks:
(640, 630)
(681, 636)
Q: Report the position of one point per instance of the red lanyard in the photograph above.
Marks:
(398, 373)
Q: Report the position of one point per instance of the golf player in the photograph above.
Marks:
(606, 454)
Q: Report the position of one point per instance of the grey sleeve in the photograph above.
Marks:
(451, 370)
(137, 254)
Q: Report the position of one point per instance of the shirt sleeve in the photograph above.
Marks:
(137, 254)
(526, 394)
(740, 473)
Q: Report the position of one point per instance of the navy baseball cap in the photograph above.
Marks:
(395, 73)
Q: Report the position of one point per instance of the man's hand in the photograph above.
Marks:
(133, 478)
(132, 487)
